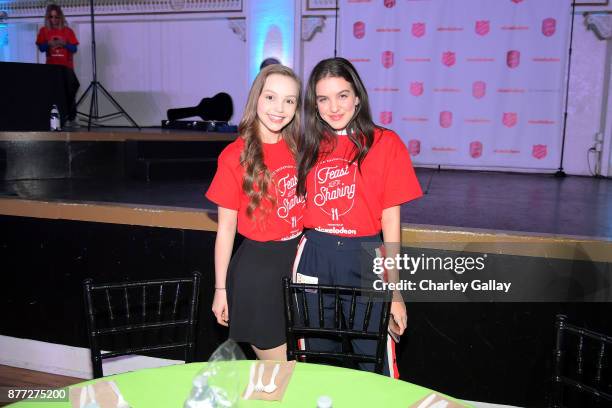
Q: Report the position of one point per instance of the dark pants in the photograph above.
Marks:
(72, 87)
(342, 261)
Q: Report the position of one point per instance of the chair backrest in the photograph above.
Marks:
(138, 317)
(324, 311)
(580, 366)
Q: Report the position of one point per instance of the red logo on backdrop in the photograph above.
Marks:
(414, 147)
(549, 26)
(387, 59)
(510, 119)
(449, 58)
(517, 1)
(479, 89)
(476, 149)
(483, 27)
(513, 58)
(389, 3)
(446, 119)
(539, 151)
(386, 117)
(416, 88)
(359, 29)
(418, 29)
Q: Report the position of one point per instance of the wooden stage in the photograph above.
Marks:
(458, 205)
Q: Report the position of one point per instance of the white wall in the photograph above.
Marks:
(321, 46)
(585, 97)
(21, 38)
(151, 66)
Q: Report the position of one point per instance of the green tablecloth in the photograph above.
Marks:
(168, 387)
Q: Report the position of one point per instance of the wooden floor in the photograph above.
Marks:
(19, 377)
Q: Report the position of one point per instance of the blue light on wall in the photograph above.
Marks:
(4, 43)
(270, 32)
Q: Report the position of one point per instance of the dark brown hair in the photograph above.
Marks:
(257, 177)
(360, 129)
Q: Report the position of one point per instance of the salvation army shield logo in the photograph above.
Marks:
(414, 147)
(418, 29)
(539, 151)
(359, 30)
(389, 3)
(386, 117)
(509, 119)
(513, 58)
(475, 149)
(479, 89)
(387, 59)
(549, 26)
(483, 27)
(449, 58)
(416, 88)
(335, 187)
(446, 119)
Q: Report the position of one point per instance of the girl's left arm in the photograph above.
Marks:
(392, 240)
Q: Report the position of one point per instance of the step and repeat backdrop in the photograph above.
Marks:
(475, 83)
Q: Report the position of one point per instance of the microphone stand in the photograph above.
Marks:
(560, 172)
(95, 86)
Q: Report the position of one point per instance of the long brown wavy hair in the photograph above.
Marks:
(360, 129)
(257, 178)
(60, 13)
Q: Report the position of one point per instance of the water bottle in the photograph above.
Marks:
(201, 395)
(324, 402)
(55, 124)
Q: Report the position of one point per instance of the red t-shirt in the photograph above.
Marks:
(285, 218)
(343, 201)
(58, 55)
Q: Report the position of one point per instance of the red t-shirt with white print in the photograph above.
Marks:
(58, 55)
(285, 218)
(343, 201)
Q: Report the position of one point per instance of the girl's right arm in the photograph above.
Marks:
(224, 243)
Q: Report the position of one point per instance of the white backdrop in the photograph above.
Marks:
(476, 83)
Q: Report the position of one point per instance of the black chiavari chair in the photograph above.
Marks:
(581, 367)
(133, 318)
(329, 312)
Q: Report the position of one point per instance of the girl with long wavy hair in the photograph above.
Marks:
(254, 188)
(56, 39)
(59, 43)
(357, 175)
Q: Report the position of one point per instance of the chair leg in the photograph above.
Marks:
(557, 385)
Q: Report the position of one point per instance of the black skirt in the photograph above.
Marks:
(255, 292)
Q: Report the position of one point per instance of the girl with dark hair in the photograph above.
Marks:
(254, 188)
(357, 175)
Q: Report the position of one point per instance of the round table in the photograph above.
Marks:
(168, 387)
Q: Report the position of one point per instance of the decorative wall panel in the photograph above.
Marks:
(33, 8)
